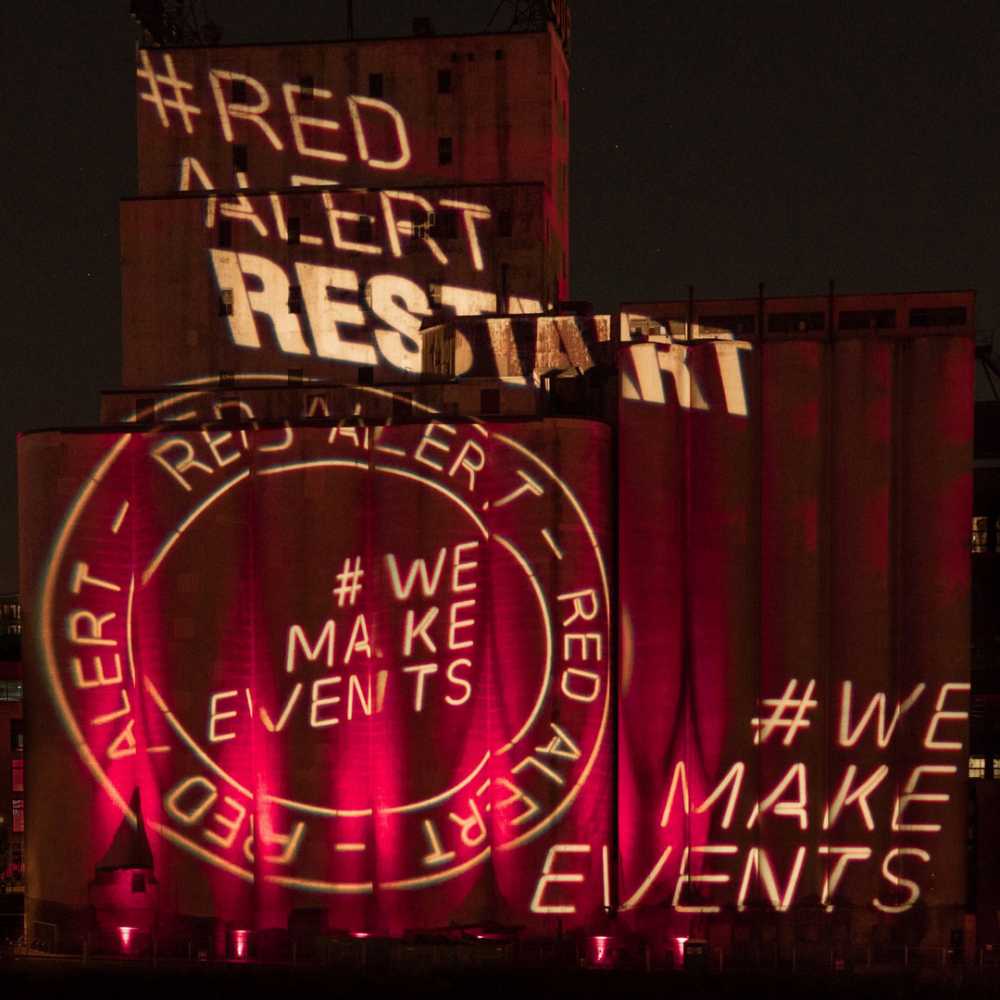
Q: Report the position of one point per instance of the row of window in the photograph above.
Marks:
(977, 767)
(11, 691)
(376, 81)
(241, 157)
(442, 226)
(847, 319)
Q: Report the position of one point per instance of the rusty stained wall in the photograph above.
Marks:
(505, 109)
(172, 320)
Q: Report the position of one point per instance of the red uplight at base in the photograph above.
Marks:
(125, 936)
(680, 942)
(601, 954)
(241, 940)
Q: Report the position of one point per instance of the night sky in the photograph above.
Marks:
(716, 144)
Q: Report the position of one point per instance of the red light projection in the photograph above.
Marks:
(366, 667)
(792, 559)
(365, 663)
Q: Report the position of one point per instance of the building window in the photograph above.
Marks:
(948, 316)
(11, 691)
(444, 150)
(366, 228)
(795, 322)
(374, 84)
(17, 808)
(489, 401)
(980, 534)
(444, 81)
(996, 768)
(446, 226)
(402, 406)
(17, 774)
(977, 767)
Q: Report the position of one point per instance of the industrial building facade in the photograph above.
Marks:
(389, 597)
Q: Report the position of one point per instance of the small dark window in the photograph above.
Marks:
(444, 151)
(295, 298)
(226, 302)
(795, 322)
(138, 882)
(239, 156)
(366, 376)
(734, 324)
(498, 55)
(228, 408)
(402, 406)
(239, 91)
(867, 319)
(294, 229)
(374, 84)
(306, 86)
(949, 316)
(225, 233)
(446, 225)
(489, 401)
(505, 223)
(444, 81)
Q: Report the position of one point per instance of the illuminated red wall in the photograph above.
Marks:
(359, 668)
(791, 584)
(793, 511)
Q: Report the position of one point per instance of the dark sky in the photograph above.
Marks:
(716, 144)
